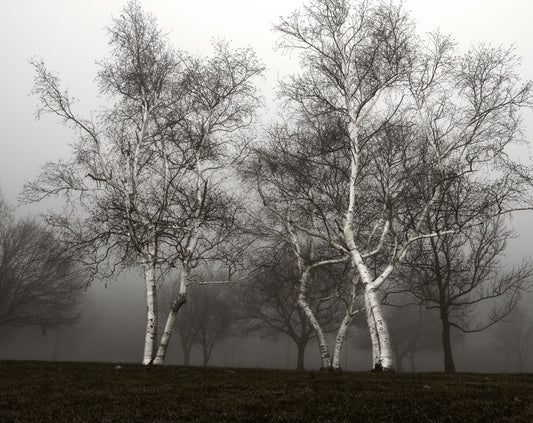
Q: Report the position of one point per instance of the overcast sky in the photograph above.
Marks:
(69, 35)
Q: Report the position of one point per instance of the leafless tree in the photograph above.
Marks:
(408, 108)
(514, 336)
(413, 330)
(268, 301)
(147, 183)
(41, 283)
(205, 320)
(214, 321)
(455, 274)
(286, 173)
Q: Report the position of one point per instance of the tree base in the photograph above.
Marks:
(330, 370)
(378, 368)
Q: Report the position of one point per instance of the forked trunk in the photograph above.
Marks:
(304, 305)
(150, 339)
(321, 338)
(345, 324)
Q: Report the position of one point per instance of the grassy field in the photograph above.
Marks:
(97, 392)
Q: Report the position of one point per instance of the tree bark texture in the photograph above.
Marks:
(180, 299)
(321, 338)
(150, 340)
(382, 355)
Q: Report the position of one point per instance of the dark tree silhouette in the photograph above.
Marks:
(41, 282)
(268, 302)
(454, 274)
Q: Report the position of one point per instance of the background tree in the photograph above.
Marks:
(456, 274)
(145, 186)
(514, 336)
(214, 320)
(268, 301)
(205, 320)
(41, 282)
(414, 329)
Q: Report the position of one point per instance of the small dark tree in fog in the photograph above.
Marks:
(205, 320)
(187, 330)
(514, 336)
(414, 329)
(41, 283)
(455, 274)
(268, 302)
(214, 321)
(144, 186)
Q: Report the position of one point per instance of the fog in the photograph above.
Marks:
(70, 37)
(115, 334)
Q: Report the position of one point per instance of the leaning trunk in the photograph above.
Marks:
(339, 342)
(165, 339)
(321, 338)
(345, 324)
(180, 299)
(150, 339)
(449, 365)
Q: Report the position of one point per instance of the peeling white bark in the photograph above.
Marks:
(325, 356)
(339, 341)
(382, 354)
(345, 324)
(150, 340)
(180, 299)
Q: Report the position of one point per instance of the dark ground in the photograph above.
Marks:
(32, 391)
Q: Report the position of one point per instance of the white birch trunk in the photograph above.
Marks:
(382, 354)
(150, 340)
(374, 337)
(180, 299)
(339, 341)
(321, 338)
(345, 324)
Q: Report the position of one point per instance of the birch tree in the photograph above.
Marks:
(514, 336)
(143, 186)
(287, 172)
(268, 300)
(409, 107)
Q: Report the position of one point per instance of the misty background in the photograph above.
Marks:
(71, 37)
